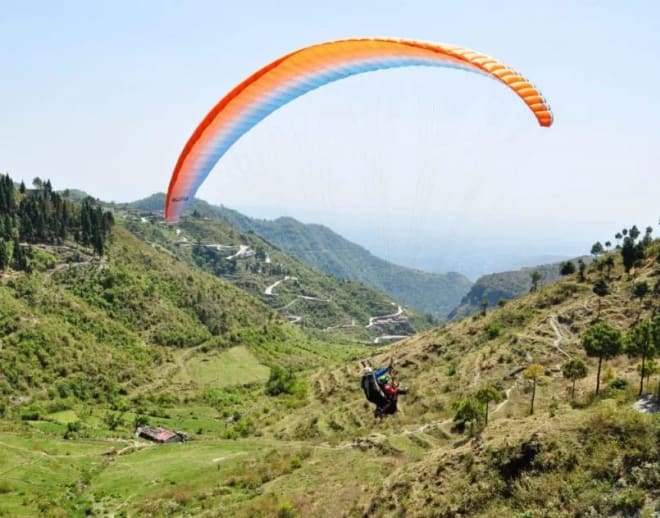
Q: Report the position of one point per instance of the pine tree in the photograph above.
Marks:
(602, 341)
(639, 343)
(601, 288)
(574, 370)
(533, 372)
(4, 256)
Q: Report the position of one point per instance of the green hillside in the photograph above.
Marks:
(278, 425)
(327, 251)
(92, 329)
(313, 300)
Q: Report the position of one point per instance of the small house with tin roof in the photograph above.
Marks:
(160, 435)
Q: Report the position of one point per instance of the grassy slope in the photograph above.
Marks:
(235, 366)
(320, 247)
(325, 456)
(584, 457)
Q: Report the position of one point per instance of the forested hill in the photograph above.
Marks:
(327, 251)
(42, 216)
(84, 326)
(314, 300)
(502, 286)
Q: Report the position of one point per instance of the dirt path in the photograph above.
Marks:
(339, 326)
(356, 442)
(67, 266)
(307, 297)
(229, 456)
(287, 305)
(556, 327)
(425, 427)
(499, 407)
(443, 422)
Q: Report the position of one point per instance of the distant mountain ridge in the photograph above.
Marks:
(503, 286)
(320, 247)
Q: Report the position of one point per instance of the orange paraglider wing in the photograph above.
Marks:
(309, 68)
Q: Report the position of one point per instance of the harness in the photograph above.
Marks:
(371, 388)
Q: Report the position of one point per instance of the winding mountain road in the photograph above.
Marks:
(244, 251)
(372, 320)
(269, 289)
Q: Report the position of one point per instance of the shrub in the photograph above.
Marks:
(630, 501)
(494, 330)
(72, 430)
(608, 375)
(140, 420)
(618, 384)
(58, 406)
(244, 427)
(113, 419)
(286, 511)
(5, 487)
(31, 414)
(280, 381)
(468, 411)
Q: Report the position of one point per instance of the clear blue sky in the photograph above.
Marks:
(416, 164)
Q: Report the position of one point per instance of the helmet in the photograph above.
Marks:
(367, 370)
(384, 379)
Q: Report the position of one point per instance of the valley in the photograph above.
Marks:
(328, 252)
(153, 333)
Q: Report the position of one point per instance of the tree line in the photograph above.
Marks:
(42, 215)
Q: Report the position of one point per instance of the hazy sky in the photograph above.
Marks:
(415, 163)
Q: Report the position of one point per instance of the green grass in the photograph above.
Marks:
(38, 471)
(154, 470)
(63, 417)
(233, 367)
(44, 475)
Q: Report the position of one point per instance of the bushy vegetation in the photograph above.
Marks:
(609, 467)
(283, 381)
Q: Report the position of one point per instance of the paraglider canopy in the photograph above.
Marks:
(306, 69)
